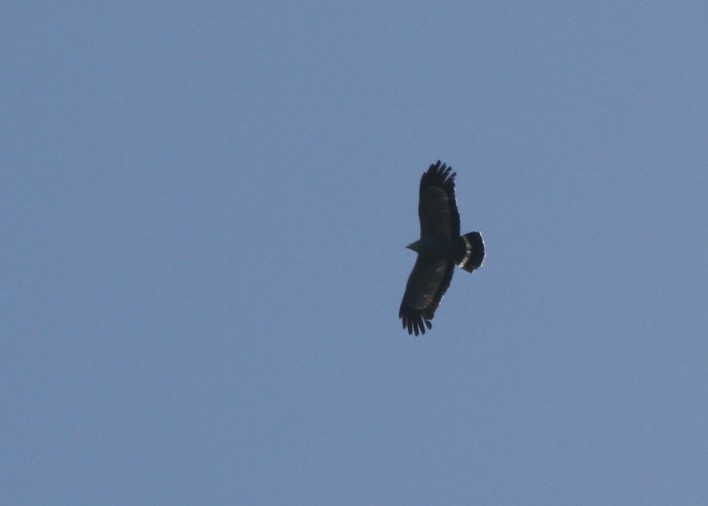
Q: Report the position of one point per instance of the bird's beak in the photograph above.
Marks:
(413, 246)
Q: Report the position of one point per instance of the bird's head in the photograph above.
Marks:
(415, 246)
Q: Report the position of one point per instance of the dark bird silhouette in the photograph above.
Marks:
(439, 249)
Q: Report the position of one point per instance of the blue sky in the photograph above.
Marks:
(204, 214)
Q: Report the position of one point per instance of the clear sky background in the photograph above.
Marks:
(204, 211)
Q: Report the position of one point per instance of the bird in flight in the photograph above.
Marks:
(439, 249)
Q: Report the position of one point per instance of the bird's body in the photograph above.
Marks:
(433, 246)
(439, 249)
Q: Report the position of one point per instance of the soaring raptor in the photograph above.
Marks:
(439, 249)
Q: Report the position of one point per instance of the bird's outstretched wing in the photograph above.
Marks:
(437, 209)
(426, 285)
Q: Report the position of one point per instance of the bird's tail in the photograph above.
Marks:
(470, 251)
